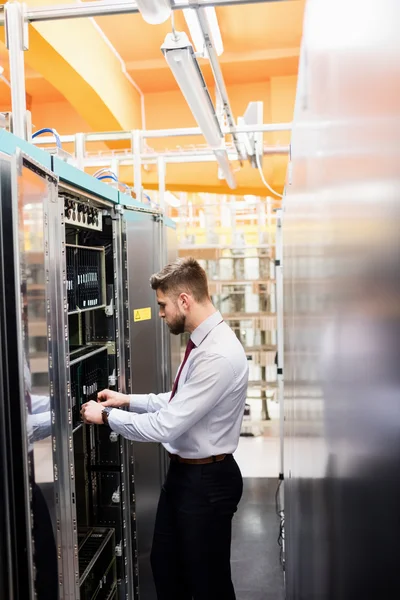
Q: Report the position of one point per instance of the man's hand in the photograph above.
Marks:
(111, 398)
(91, 413)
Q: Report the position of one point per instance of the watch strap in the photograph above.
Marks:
(104, 414)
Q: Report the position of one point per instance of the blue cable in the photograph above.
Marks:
(104, 172)
(48, 130)
(108, 177)
(111, 175)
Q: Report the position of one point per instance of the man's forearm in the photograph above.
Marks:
(143, 403)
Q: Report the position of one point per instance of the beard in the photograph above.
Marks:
(177, 326)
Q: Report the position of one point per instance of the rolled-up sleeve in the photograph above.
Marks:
(212, 378)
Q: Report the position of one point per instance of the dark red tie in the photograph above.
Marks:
(189, 348)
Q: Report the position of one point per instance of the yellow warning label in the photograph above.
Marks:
(142, 314)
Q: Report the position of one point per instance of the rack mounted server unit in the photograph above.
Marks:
(70, 281)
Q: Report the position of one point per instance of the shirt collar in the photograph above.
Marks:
(205, 327)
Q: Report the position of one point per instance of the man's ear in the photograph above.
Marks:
(184, 300)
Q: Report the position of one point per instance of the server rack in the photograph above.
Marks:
(71, 272)
(102, 486)
(154, 355)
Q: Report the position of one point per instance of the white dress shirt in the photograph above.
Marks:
(205, 415)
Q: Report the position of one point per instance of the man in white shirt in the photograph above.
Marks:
(199, 425)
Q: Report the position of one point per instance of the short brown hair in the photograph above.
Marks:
(183, 275)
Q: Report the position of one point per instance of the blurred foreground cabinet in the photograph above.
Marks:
(342, 292)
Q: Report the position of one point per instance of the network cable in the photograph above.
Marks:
(263, 178)
(48, 130)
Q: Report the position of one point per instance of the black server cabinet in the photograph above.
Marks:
(67, 528)
(96, 305)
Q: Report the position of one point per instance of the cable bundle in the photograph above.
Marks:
(281, 514)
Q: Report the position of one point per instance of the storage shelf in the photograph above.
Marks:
(262, 386)
(261, 348)
(37, 328)
(39, 363)
(246, 316)
(242, 281)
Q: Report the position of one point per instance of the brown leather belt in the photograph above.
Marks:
(197, 461)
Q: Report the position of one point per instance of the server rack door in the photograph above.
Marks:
(124, 378)
(173, 341)
(31, 380)
(143, 260)
(170, 347)
(8, 557)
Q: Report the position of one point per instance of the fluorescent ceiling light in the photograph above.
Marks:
(178, 52)
(196, 33)
(171, 199)
(1, 70)
(154, 11)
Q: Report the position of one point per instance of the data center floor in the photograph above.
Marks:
(256, 570)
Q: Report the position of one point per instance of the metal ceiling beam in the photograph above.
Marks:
(218, 76)
(101, 8)
(173, 157)
(110, 136)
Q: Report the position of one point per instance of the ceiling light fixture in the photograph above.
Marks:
(196, 33)
(179, 54)
(154, 11)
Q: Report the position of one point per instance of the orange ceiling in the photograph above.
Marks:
(260, 41)
(261, 46)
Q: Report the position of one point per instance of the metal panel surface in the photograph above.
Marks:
(124, 375)
(82, 180)
(9, 143)
(65, 468)
(34, 373)
(142, 235)
(9, 538)
(342, 293)
(173, 341)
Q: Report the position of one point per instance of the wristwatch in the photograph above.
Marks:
(104, 414)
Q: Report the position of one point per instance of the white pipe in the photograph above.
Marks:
(110, 136)
(160, 133)
(161, 182)
(16, 44)
(101, 8)
(280, 330)
(170, 157)
(137, 164)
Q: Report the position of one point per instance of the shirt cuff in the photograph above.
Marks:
(117, 420)
(138, 403)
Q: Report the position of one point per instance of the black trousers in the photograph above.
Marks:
(191, 551)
